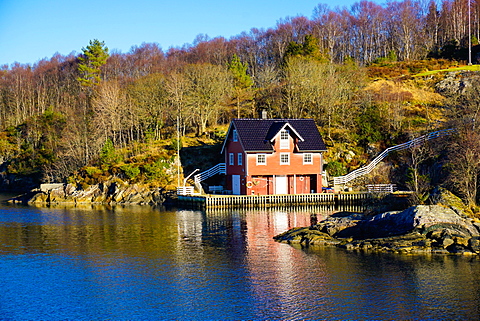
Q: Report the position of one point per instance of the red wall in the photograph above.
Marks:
(298, 184)
(273, 166)
(235, 148)
(259, 180)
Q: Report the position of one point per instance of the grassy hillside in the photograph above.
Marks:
(154, 163)
(404, 100)
(397, 102)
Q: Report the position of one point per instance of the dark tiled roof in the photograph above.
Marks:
(274, 129)
(255, 134)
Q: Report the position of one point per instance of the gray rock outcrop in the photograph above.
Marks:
(105, 193)
(457, 82)
(419, 218)
(418, 229)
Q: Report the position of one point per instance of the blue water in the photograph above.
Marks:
(143, 263)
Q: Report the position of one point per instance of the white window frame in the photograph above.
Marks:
(235, 136)
(264, 159)
(282, 156)
(231, 159)
(284, 141)
(239, 159)
(307, 158)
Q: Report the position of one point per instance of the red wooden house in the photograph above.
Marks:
(273, 156)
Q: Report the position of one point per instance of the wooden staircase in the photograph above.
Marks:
(220, 168)
(343, 180)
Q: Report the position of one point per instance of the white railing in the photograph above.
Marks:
(185, 190)
(220, 168)
(215, 189)
(342, 180)
(381, 188)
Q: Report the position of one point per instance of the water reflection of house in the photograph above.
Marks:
(287, 268)
(273, 156)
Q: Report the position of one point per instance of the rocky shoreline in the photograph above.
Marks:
(425, 229)
(443, 229)
(111, 192)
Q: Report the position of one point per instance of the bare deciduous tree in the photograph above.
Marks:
(464, 157)
(207, 88)
(108, 109)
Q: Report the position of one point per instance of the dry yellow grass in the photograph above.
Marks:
(408, 91)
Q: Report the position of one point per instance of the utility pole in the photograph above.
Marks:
(178, 150)
(469, 35)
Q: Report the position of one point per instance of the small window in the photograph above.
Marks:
(307, 158)
(235, 135)
(261, 159)
(284, 159)
(231, 159)
(239, 159)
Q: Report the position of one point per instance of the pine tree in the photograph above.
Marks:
(309, 49)
(239, 72)
(242, 82)
(94, 56)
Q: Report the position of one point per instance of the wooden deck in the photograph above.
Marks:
(224, 201)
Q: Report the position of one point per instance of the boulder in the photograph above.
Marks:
(446, 242)
(40, 197)
(474, 244)
(442, 196)
(306, 236)
(338, 222)
(424, 218)
(418, 229)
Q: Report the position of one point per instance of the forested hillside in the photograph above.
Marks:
(356, 72)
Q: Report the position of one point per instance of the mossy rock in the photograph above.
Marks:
(444, 197)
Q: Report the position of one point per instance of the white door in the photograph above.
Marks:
(281, 185)
(236, 184)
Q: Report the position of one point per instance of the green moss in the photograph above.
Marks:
(131, 171)
(336, 168)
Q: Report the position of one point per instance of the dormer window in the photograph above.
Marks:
(284, 139)
(235, 136)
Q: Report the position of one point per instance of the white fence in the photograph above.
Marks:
(185, 190)
(190, 190)
(342, 180)
(217, 169)
(381, 188)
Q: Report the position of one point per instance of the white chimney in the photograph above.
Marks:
(264, 114)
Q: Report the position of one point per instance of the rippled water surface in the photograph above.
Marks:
(147, 263)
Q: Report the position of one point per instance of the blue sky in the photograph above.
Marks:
(31, 30)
